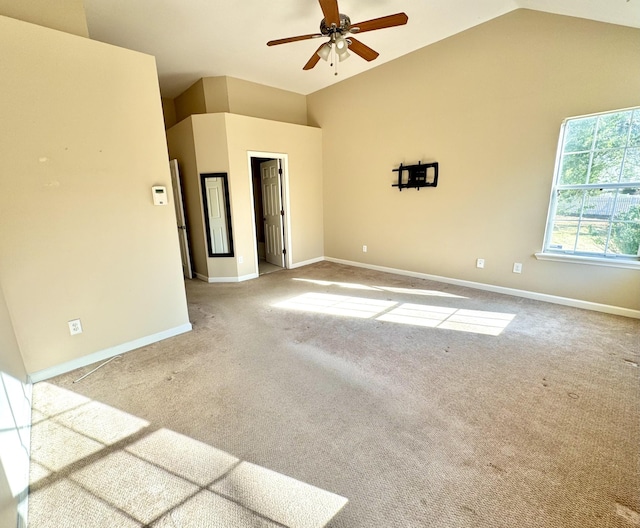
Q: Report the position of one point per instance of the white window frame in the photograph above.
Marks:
(572, 255)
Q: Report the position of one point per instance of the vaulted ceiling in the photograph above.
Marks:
(203, 38)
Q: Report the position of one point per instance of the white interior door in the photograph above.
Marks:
(180, 218)
(273, 212)
(217, 212)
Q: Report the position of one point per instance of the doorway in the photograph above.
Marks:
(269, 185)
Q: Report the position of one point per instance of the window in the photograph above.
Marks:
(595, 201)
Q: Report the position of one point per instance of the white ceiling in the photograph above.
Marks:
(208, 38)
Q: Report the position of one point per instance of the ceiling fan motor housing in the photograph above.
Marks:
(345, 24)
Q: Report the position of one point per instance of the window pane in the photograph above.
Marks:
(599, 204)
(613, 130)
(627, 205)
(593, 236)
(569, 204)
(563, 236)
(574, 169)
(578, 134)
(631, 169)
(634, 139)
(606, 166)
(625, 238)
(625, 231)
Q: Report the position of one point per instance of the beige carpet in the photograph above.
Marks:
(422, 404)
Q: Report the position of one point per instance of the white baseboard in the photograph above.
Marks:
(566, 301)
(107, 353)
(306, 262)
(241, 278)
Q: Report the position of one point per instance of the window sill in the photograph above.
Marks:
(593, 261)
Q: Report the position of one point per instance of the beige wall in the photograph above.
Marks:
(190, 102)
(63, 15)
(303, 145)
(169, 112)
(256, 100)
(216, 94)
(486, 104)
(82, 142)
(213, 95)
(212, 156)
(210, 143)
(182, 148)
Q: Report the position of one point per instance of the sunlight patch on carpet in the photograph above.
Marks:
(278, 497)
(356, 286)
(94, 465)
(183, 456)
(359, 307)
(444, 317)
(475, 321)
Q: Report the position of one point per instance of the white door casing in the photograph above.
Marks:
(273, 212)
(180, 219)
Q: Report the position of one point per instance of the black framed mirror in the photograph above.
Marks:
(217, 214)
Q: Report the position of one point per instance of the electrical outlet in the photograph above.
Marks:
(364, 249)
(480, 263)
(75, 327)
(517, 267)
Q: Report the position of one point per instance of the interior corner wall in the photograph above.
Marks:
(210, 143)
(216, 94)
(199, 145)
(169, 112)
(210, 140)
(303, 147)
(487, 104)
(190, 102)
(257, 100)
(82, 142)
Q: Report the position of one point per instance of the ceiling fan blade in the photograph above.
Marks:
(399, 19)
(330, 12)
(361, 49)
(293, 39)
(313, 60)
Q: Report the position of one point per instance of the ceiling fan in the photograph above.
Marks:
(339, 29)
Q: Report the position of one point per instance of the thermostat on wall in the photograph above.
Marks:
(159, 195)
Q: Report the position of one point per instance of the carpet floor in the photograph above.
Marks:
(336, 396)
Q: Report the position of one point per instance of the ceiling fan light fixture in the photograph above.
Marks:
(342, 48)
(341, 44)
(325, 51)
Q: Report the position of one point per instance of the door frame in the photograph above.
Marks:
(273, 217)
(284, 189)
(181, 219)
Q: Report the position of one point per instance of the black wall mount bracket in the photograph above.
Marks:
(417, 176)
